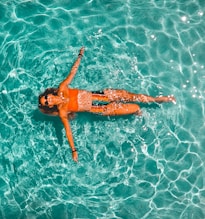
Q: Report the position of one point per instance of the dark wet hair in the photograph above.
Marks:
(46, 109)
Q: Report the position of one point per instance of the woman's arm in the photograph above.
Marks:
(73, 70)
(69, 135)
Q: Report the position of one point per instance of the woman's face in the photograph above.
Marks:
(48, 100)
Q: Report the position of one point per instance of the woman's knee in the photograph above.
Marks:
(113, 109)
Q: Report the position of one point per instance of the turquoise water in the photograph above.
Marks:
(129, 167)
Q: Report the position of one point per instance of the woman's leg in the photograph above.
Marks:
(114, 109)
(99, 96)
(125, 96)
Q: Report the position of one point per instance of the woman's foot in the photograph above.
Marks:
(162, 99)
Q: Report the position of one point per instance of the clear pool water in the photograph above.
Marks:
(129, 167)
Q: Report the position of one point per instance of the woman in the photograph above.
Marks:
(64, 101)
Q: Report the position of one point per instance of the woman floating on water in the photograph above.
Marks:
(64, 101)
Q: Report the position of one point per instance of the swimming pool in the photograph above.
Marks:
(129, 167)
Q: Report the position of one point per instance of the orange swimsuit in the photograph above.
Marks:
(78, 100)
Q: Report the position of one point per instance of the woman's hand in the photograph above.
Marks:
(81, 51)
(75, 156)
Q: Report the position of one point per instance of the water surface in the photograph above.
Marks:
(129, 167)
